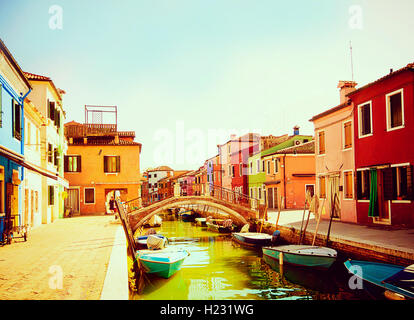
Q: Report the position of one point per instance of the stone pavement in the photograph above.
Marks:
(382, 237)
(67, 259)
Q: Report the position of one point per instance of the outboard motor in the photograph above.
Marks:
(275, 236)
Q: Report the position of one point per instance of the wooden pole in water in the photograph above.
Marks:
(281, 263)
(307, 221)
(301, 226)
(279, 207)
(317, 224)
(333, 202)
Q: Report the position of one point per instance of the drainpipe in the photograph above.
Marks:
(22, 128)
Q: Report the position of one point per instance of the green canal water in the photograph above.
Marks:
(220, 269)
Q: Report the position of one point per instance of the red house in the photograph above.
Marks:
(240, 175)
(383, 116)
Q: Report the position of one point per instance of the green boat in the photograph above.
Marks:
(164, 262)
(303, 255)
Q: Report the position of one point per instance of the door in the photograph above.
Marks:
(72, 201)
(270, 202)
(384, 205)
(333, 199)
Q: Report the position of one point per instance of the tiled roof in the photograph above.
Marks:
(32, 76)
(161, 168)
(305, 148)
(409, 66)
(104, 142)
(286, 144)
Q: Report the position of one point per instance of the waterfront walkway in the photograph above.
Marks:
(69, 259)
(389, 242)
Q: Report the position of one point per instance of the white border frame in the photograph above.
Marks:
(388, 113)
(360, 135)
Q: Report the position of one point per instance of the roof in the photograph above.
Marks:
(329, 111)
(305, 148)
(408, 67)
(37, 77)
(177, 174)
(106, 142)
(286, 144)
(14, 63)
(161, 168)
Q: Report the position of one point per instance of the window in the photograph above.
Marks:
(155, 185)
(321, 142)
(402, 183)
(112, 164)
(17, 120)
(149, 176)
(363, 184)
(348, 135)
(155, 175)
(51, 111)
(322, 187)
(365, 119)
(258, 166)
(51, 195)
(263, 166)
(268, 167)
(89, 195)
(348, 185)
(251, 192)
(276, 165)
(260, 193)
(251, 167)
(395, 110)
(72, 164)
(55, 157)
(49, 153)
(232, 171)
(229, 171)
(241, 169)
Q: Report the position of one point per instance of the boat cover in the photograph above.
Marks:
(403, 279)
(245, 228)
(155, 243)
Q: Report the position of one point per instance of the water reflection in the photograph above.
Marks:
(218, 268)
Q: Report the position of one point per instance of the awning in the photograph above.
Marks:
(303, 175)
(272, 182)
(39, 170)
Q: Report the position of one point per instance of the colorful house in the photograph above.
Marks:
(290, 173)
(47, 98)
(154, 176)
(334, 160)
(14, 88)
(187, 183)
(213, 172)
(383, 117)
(101, 161)
(257, 170)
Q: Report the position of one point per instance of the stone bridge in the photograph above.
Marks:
(240, 214)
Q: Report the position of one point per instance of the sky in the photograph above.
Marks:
(185, 74)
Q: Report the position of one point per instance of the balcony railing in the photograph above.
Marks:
(83, 130)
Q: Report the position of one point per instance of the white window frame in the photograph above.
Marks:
(360, 135)
(257, 165)
(353, 184)
(319, 186)
(388, 109)
(276, 164)
(343, 134)
(396, 166)
(84, 195)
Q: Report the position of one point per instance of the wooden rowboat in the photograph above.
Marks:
(141, 241)
(164, 263)
(397, 281)
(253, 239)
(201, 222)
(303, 255)
(216, 226)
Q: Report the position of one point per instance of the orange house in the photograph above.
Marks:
(98, 163)
(290, 172)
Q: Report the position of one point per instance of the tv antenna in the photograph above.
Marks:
(352, 64)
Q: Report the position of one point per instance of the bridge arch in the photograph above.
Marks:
(238, 213)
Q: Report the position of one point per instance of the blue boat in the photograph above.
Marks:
(141, 241)
(397, 281)
(254, 239)
(164, 263)
(303, 255)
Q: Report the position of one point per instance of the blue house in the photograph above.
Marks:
(14, 87)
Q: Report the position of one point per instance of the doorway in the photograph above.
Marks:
(72, 200)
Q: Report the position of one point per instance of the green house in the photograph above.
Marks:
(257, 174)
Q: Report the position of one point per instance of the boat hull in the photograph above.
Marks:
(217, 228)
(304, 260)
(251, 240)
(201, 222)
(162, 267)
(381, 275)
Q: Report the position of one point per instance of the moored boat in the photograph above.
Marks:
(397, 281)
(154, 221)
(219, 225)
(254, 239)
(201, 222)
(303, 255)
(141, 241)
(164, 263)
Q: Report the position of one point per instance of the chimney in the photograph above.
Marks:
(296, 130)
(116, 138)
(233, 137)
(345, 88)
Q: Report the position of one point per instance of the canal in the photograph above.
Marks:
(220, 269)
